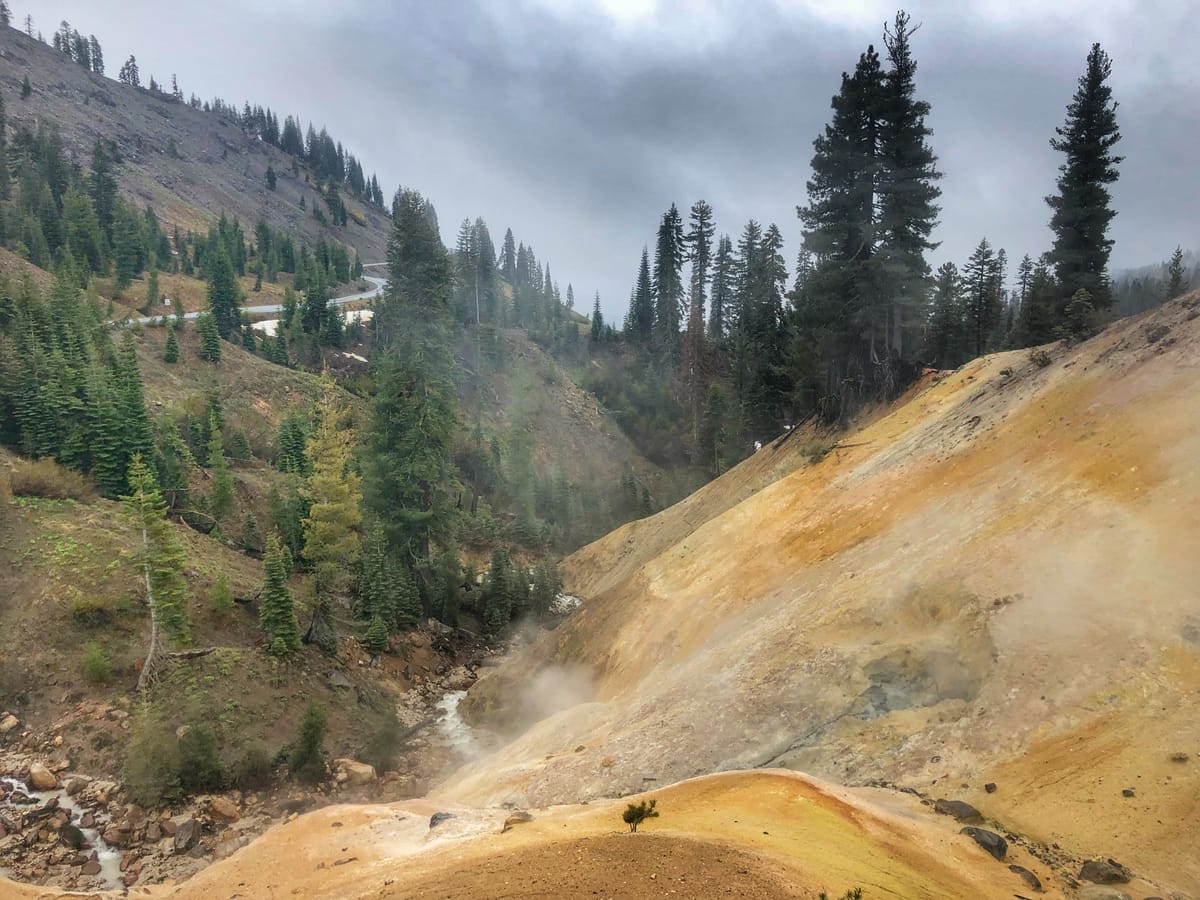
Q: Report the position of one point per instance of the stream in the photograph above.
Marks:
(456, 732)
(108, 857)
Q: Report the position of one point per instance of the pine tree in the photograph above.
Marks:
(984, 307)
(498, 594)
(161, 560)
(907, 194)
(1176, 278)
(377, 637)
(946, 342)
(210, 338)
(270, 177)
(223, 292)
(597, 320)
(331, 542)
(1081, 210)
(222, 479)
(276, 609)
(129, 73)
(152, 293)
(26, 88)
(723, 286)
(641, 307)
(669, 256)
(171, 350)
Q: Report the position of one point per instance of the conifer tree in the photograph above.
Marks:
(171, 350)
(597, 320)
(161, 560)
(498, 594)
(946, 343)
(669, 299)
(722, 290)
(641, 307)
(1081, 209)
(223, 292)
(1176, 280)
(26, 88)
(984, 303)
(276, 608)
(222, 479)
(331, 541)
(210, 337)
(270, 177)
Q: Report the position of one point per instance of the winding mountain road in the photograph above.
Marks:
(376, 289)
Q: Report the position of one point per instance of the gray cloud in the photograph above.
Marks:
(578, 131)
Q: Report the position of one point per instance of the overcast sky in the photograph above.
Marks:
(578, 122)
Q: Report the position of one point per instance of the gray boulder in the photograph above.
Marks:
(988, 840)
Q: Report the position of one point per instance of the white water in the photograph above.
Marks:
(108, 857)
(457, 732)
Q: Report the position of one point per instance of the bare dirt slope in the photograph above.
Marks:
(218, 168)
(997, 582)
(763, 835)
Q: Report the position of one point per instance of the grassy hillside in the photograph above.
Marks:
(217, 167)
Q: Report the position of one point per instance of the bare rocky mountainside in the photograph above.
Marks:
(215, 169)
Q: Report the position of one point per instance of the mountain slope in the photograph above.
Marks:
(218, 167)
(971, 589)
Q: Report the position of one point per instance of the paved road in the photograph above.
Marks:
(376, 289)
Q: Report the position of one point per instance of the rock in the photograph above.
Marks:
(1128, 792)
(187, 833)
(119, 834)
(990, 787)
(227, 848)
(103, 791)
(1179, 757)
(1028, 877)
(153, 832)
(8, 723)
(1155, 333)
(988, 840)
(1104, 871)
(1097, 892)
(75, 784)
(438, 818)
(520, 817)
(41, 778)
(963, 812)
(356, 772)
(224, 808)
(70, 836)
(118, 715)
(87, 820)
(91, 867)
(338, 680)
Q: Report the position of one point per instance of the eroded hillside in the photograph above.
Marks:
(996, 583)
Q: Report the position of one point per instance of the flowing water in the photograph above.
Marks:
(456, 732)
(108, 857)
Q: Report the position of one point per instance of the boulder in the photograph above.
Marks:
(438, 818)
(338, 680)
(356, 772)
(41, 778)
(520, 817)
(8, 722)
(224, 809)
(103, 791)
(227, 848)
(75, 784)
(70, 836)
(1104, 871)
(988, 840)
(1028, 877)
(153, 833)
(187, 833)
(963, 812)
(91, 867)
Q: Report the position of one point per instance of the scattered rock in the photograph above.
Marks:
(1155, 333)
(1029, 878)
(990, 787)
(41, 778)
(988, 840)
(1104, 871)
(187, 833)
(438, 818)
(8, 723)
(1097, 892)
(520, 817)
(963, 812)
(70, 836)
(355, 772)
(1128, 792)
(224, 808)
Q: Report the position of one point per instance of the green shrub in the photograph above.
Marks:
(383, 741)
(307, 760)
(96, 667)
(222, 596)
(47, 479)
(151, 771)
(253, 770)
(200, 768)
(91, 612)
(636, 813)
